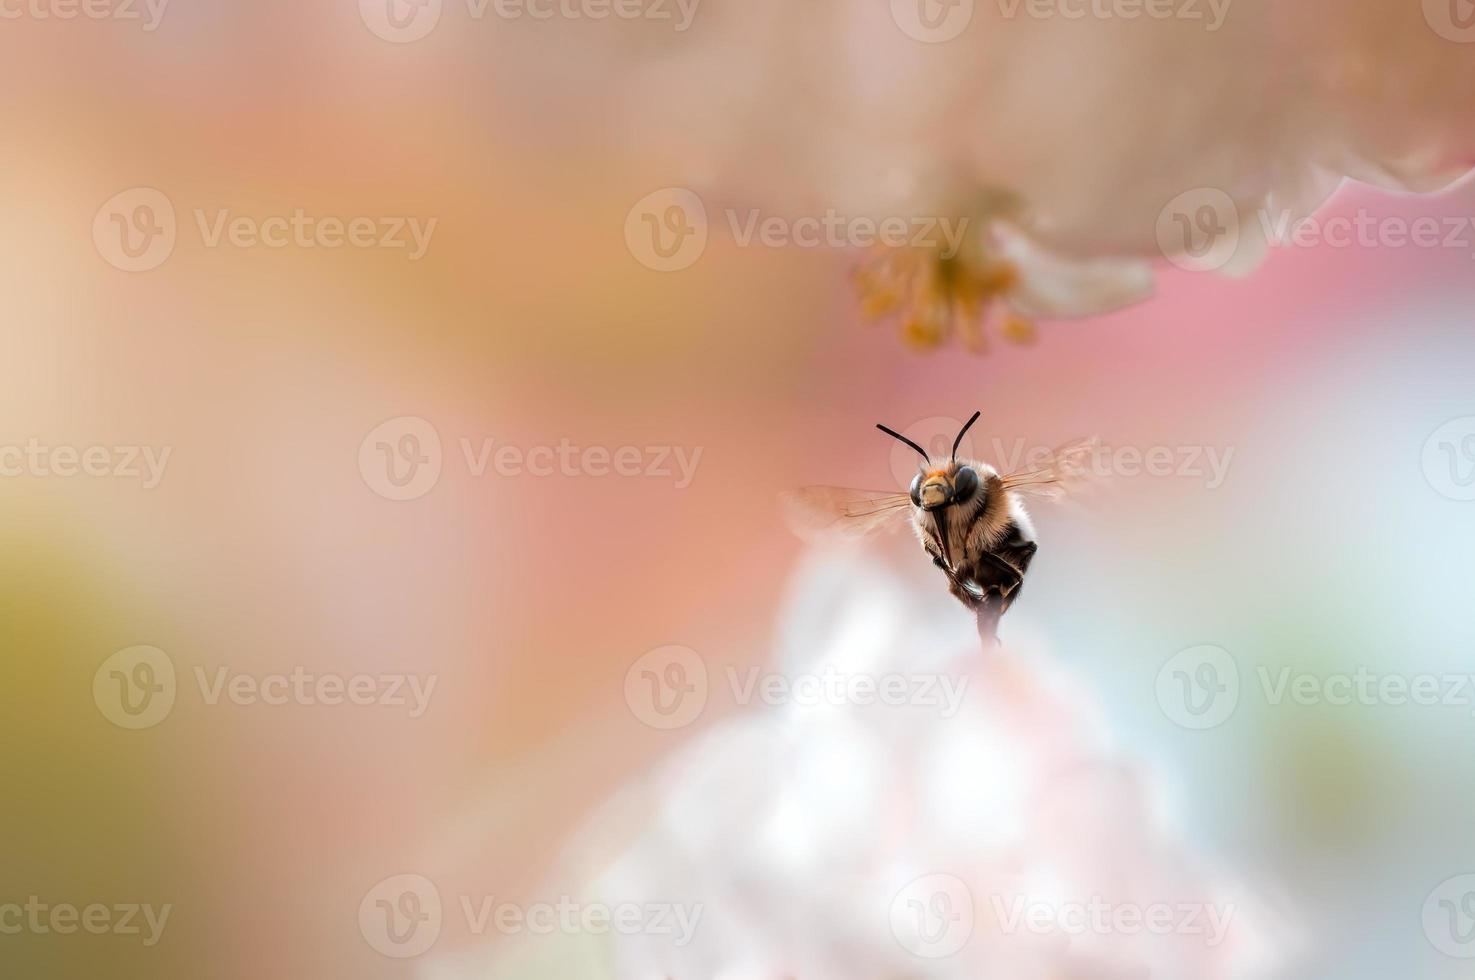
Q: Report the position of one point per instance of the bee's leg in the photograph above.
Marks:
(988, 612)
(955, 586)
(960, 592)
(1010, 564)
(997, 576)
(1001, 574)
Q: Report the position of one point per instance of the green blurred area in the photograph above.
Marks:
(92, 813)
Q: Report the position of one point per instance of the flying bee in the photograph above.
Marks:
(970, 519)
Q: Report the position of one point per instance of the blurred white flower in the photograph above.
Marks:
(1088, 116)
(846, 842)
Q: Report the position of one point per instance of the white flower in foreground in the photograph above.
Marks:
(1088, 117)
(996, 836)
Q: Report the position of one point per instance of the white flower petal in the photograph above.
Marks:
(1052, 286)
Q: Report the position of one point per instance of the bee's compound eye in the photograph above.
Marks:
(965, 484)
(917, 490)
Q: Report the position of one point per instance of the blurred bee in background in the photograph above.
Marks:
(970, 519)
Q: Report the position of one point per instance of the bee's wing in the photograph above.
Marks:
(817, 511)
(1064, 471)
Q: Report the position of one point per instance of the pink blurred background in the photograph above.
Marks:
(528, 321)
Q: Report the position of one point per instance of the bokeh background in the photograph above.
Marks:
(1329, 546)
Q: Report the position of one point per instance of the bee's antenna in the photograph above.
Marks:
(897, 435)
(959, 441)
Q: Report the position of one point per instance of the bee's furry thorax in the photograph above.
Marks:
(981, 523)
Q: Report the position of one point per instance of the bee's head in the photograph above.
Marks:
(939, 486)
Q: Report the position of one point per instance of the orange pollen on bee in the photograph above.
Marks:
(936, 473)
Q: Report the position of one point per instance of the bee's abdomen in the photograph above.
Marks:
(1018, 550)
